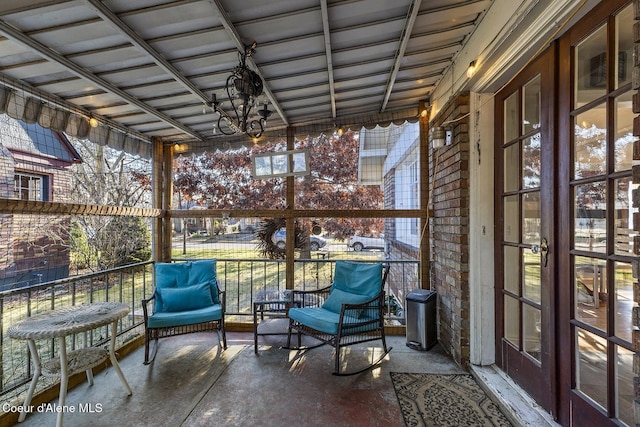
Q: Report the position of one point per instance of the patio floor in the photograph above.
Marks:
(193, 383)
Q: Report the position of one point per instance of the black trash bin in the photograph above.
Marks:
(421, 319)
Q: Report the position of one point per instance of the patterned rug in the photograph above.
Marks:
(445, 400)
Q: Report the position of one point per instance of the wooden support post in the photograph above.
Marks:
(290, 220)
(156, 184)
(167, 201)
(425, 196)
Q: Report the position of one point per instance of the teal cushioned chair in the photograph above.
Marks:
(348, 312)
(186, 298)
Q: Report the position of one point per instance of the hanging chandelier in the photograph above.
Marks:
(244, 87)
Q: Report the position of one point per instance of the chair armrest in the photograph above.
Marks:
(311, 298)
(145, 303)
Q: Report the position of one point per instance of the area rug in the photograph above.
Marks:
(445, 400)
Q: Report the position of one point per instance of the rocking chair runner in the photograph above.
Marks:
(350, 311)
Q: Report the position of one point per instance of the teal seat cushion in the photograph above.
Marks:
(358, 278)
(319, 319)
(182, 318)
(186, 298)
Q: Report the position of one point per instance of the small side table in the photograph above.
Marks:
(60, 324)
(270, 314)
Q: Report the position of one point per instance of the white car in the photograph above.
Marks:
(315, 242)
(359, 243)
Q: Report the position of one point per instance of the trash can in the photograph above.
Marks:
(421, 319)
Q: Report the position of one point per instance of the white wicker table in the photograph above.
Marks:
(60, 324)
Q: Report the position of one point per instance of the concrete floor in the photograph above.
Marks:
(193, 383)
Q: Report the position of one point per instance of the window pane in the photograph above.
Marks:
(531, 162)
(623, 300)
(511, 119)
(591, 292)
(531, 106)
(624, 385)
(512, 320)
(623, 218)
(623, 153)
(531, 275)
(531, 218)
(531, 329)
(624, 45)
(511, 219)
(591, 361)
(590, 143)
(590, 224)
(591, 67)
(512, 167)
(511, 269)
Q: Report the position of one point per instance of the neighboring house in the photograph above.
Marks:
(389, 156)
(35, 164)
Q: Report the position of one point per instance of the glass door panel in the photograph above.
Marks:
(531, 273)
(590, 143)
(590, 221)
(512, 320)
(511, 118)
(511, 218)
(512, 168)
(624, 385)
(590, 68)
(531, 106)
(591, 375)
(623, 152)
(512, 269)
(531, 322)
(623, 278)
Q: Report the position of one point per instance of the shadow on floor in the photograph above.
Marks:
(193, 383)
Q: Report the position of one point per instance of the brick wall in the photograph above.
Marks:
(449, 228)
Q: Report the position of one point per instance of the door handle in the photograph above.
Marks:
(544, 251)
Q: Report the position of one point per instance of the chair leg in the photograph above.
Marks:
(147, 338)
(222, 331)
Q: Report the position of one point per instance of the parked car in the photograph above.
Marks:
(359, 243)
(315, 242)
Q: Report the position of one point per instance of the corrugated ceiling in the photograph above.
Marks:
(149, 67)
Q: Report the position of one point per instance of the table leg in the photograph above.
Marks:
(114, 360)
(255, 329)
(37, 369)
(64, 380)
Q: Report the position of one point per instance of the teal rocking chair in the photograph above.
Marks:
(350, 311)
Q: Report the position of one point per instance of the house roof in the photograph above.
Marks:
(148, 68)
(33, 139)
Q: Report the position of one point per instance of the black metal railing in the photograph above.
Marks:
(243, 280)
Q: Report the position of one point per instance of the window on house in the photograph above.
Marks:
(30, 187)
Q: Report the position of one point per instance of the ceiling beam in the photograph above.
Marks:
(328, 53)
(235, 37)
(19, 37)
(412, 13)
(111, 18)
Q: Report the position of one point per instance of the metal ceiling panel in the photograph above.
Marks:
(149, 67)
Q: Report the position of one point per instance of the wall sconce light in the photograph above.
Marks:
(438, 136)
(472, 69)
(93, 122)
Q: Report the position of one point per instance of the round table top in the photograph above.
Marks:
(68, 320)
